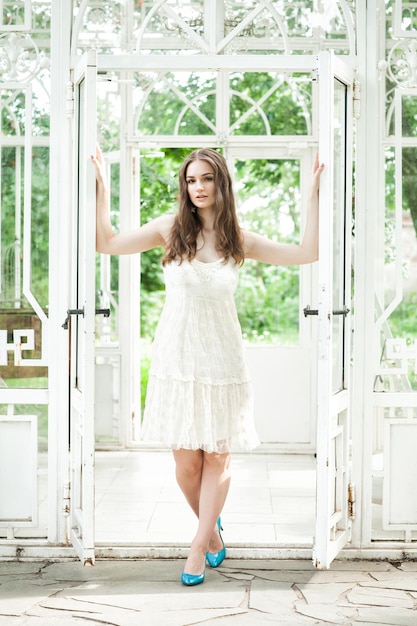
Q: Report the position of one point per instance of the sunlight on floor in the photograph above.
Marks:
(271, 500)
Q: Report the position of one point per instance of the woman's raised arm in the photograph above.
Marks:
(263, 249)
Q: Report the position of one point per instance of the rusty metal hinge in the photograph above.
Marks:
(356, 99)
(351, 501)
(66, 500)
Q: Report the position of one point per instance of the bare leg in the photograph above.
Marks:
(209, 482)
(188, 471)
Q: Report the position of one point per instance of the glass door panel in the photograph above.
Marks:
(339, 221)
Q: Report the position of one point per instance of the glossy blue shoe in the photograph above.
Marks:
(192, 579)
(215, 559)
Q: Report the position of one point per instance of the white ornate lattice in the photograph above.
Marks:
(214, 26)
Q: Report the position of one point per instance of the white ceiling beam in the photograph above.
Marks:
(241, 62)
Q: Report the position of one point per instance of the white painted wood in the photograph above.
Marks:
(82, 325)
(246, 62)
(284, 411)
(18, 471)
(399, 500)
(60, 212)
(333, 417)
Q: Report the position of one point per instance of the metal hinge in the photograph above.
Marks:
(70, 99)
(66, 500)
(356, 99)
(351, 501)
(309, 311)
(315, 75)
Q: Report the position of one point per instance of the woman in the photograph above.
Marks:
(199, 398)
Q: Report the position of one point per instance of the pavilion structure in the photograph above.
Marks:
(141, 77)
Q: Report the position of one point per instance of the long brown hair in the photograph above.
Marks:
(182, 241)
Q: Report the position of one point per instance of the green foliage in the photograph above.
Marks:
(285, 114)
(267, 296)
(12, 163)
(163, 98)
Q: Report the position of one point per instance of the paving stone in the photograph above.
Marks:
(156, 570)
(386, 616)
(327, 613)
(337, 576)
(408, 583)
(372, 596)
(277, 576)
(324, 593)
(35, 621)
(408, 566)
(255, 618)
(235, 575)
(15, 599)
(122, 617)
(266, 595)
(16, 568)
(300, 576)
(270, 564)
(364, 566)
(146, 596)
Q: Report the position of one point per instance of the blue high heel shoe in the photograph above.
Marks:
(215, 559)
(192, 579)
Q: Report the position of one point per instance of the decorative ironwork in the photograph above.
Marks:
(209, 26)
(20, 60)
(402, 63)
(18, 346)
(399, 352)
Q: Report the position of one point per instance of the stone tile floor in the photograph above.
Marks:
(240, 593)
(271, 499)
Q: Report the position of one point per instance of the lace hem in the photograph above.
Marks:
(194, 415)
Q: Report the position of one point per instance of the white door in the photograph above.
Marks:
(81, 318)
(334, 286)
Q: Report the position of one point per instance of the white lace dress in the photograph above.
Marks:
(199, 391)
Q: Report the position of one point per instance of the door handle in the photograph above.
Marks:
(309, 311)
(343, 311)
(105, 312)
(69, 313)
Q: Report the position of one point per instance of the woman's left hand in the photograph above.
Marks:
(316, 173)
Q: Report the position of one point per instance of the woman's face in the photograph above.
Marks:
(200, 184)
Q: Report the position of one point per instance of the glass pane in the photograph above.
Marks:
(268, 296)
(182, 103)
(338, 324)
(398, 335)
(409, 116)
(80, 288)
(23, 304)
(266, 103)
